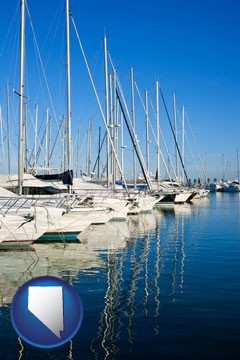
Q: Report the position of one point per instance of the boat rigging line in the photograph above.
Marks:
(133, 142)
(155, 138)
(140, 156)
(174, 136)
(98, 102)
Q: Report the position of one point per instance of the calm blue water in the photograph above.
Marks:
(161, 286)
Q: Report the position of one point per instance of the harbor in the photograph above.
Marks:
(169, 277)
(118, 177)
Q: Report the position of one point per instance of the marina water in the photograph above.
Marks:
(163, 285)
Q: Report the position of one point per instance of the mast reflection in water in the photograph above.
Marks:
(161, 285)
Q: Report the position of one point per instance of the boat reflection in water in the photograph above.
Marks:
(125, 272)
(53, 259)
(59, 259)
(140, 281)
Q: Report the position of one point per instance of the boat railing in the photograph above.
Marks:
(88, 197)
(17, 204)
(13, 204)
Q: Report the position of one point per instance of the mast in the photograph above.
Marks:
(158, 134)
(46, 141)
(223, 171)
(2, 145)
(35, 137)
(122, 142)
(88, 152)
(115, 127)
(69, 135)
(49, 141)
(175, 131)
(63, 143)
(78, 151)
(111, 160)
(99, 150)
(26, 138)
(133, 126)
(147, 132)
(183, 134)
(8, 129)
(237, 165)
(205, 167)
(106, 107)
(20, 92)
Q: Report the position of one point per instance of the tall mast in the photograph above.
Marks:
(20, 92)
(147, 131)
(49, 142)
(122, 142)
(111, 157)
(63, 144)
(35, 137)
(106, 107)
(223, 170)
(158, 134)
(88, 152)
(26, 137)
(133, 126)
(175, 132)
(183, 134)
(46, 141)
(78, 151)
(237, 165)
(99, 150)
(69, 135)
(205, 167)
(2, 145)
(115, 128)
(8, 129)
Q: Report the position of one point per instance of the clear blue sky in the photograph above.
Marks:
(191, 47)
